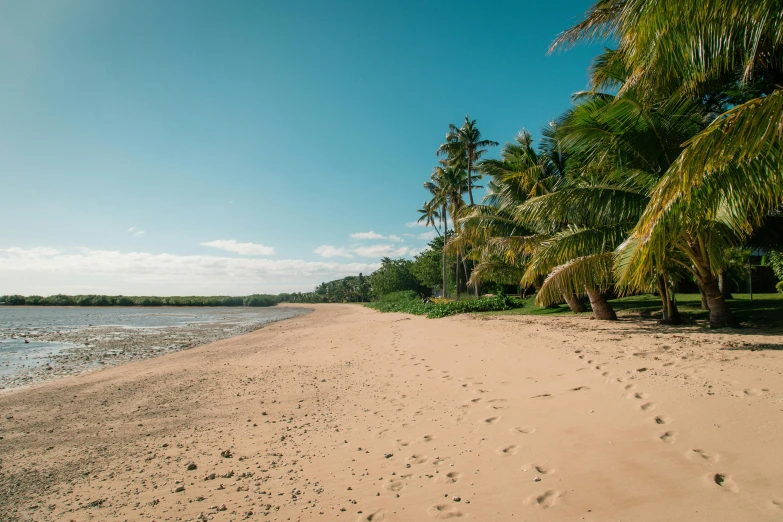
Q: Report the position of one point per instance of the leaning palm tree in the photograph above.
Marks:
(728, 176)
(464, 147)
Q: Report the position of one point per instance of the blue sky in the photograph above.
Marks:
(188, 147)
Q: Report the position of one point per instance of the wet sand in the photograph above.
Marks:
(349, 414)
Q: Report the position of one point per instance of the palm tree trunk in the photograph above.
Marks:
(704, 304)
(476, 285)
(456, 286)
(670, 313)
(470, 183)
(445, 278)
(723, 283)
(601, 308)
(465, 269)
(720, 313)
(575, 304)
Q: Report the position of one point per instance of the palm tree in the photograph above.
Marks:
(429, 215)
(728, 177)
(464, 147)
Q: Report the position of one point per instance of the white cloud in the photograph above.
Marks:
(245, 249)
(427, 236)
(332, 251)
(415, 224)
(373, 235)
(366, 235)
(382, 251)
(47, 270)
(136, 232)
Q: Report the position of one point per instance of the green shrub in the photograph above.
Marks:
(779, 287)
(410, 303)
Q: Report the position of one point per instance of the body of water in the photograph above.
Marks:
(33, 337)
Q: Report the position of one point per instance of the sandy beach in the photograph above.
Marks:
(350, 414)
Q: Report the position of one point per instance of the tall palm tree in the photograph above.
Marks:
(464, 147)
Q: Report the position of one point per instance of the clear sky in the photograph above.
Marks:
(208, 147)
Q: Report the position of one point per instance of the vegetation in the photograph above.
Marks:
(662, 175)
(410, 302)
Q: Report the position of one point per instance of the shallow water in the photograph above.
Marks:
(19, 319)
(16, 355)
(59, 336)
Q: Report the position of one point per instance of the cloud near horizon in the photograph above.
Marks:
(44, 270)
(245, 249)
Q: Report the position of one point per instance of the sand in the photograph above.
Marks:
(349, 414)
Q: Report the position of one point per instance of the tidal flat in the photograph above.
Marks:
(39, 344)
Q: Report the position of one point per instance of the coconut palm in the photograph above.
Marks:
(728, 177)
(464, 147)
(429, 215)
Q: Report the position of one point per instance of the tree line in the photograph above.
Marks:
(122, 300)
(667, 170)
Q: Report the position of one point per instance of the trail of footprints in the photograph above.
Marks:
(722, 480)
(544, 499)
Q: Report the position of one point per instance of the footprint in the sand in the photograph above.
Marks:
(580, 388)
(491, 420)
(375, 516)
(538, 468)
(428, 438)
(454, 476)
(668, 437)
(477, 399)
(640, 395)
(508, 450)
(448, 478)
(523, 431)
(647, 406)
(444, 511)
(382, 433)
(541, 396)
(395, 485)
(662, 419)
(418, 459)
(724, 480)
(755, 392)
(546, 499)
(497, 407)
(699, 454)
(776, 503)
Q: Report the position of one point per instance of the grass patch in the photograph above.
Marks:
(765, 309)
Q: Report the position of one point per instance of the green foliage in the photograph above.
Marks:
(428, 265)
(779, 287)
(14, 300)
(410, 303)
(394, 275)
(259, 300)
(775, 260)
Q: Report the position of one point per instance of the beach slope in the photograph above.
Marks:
(349, 414)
